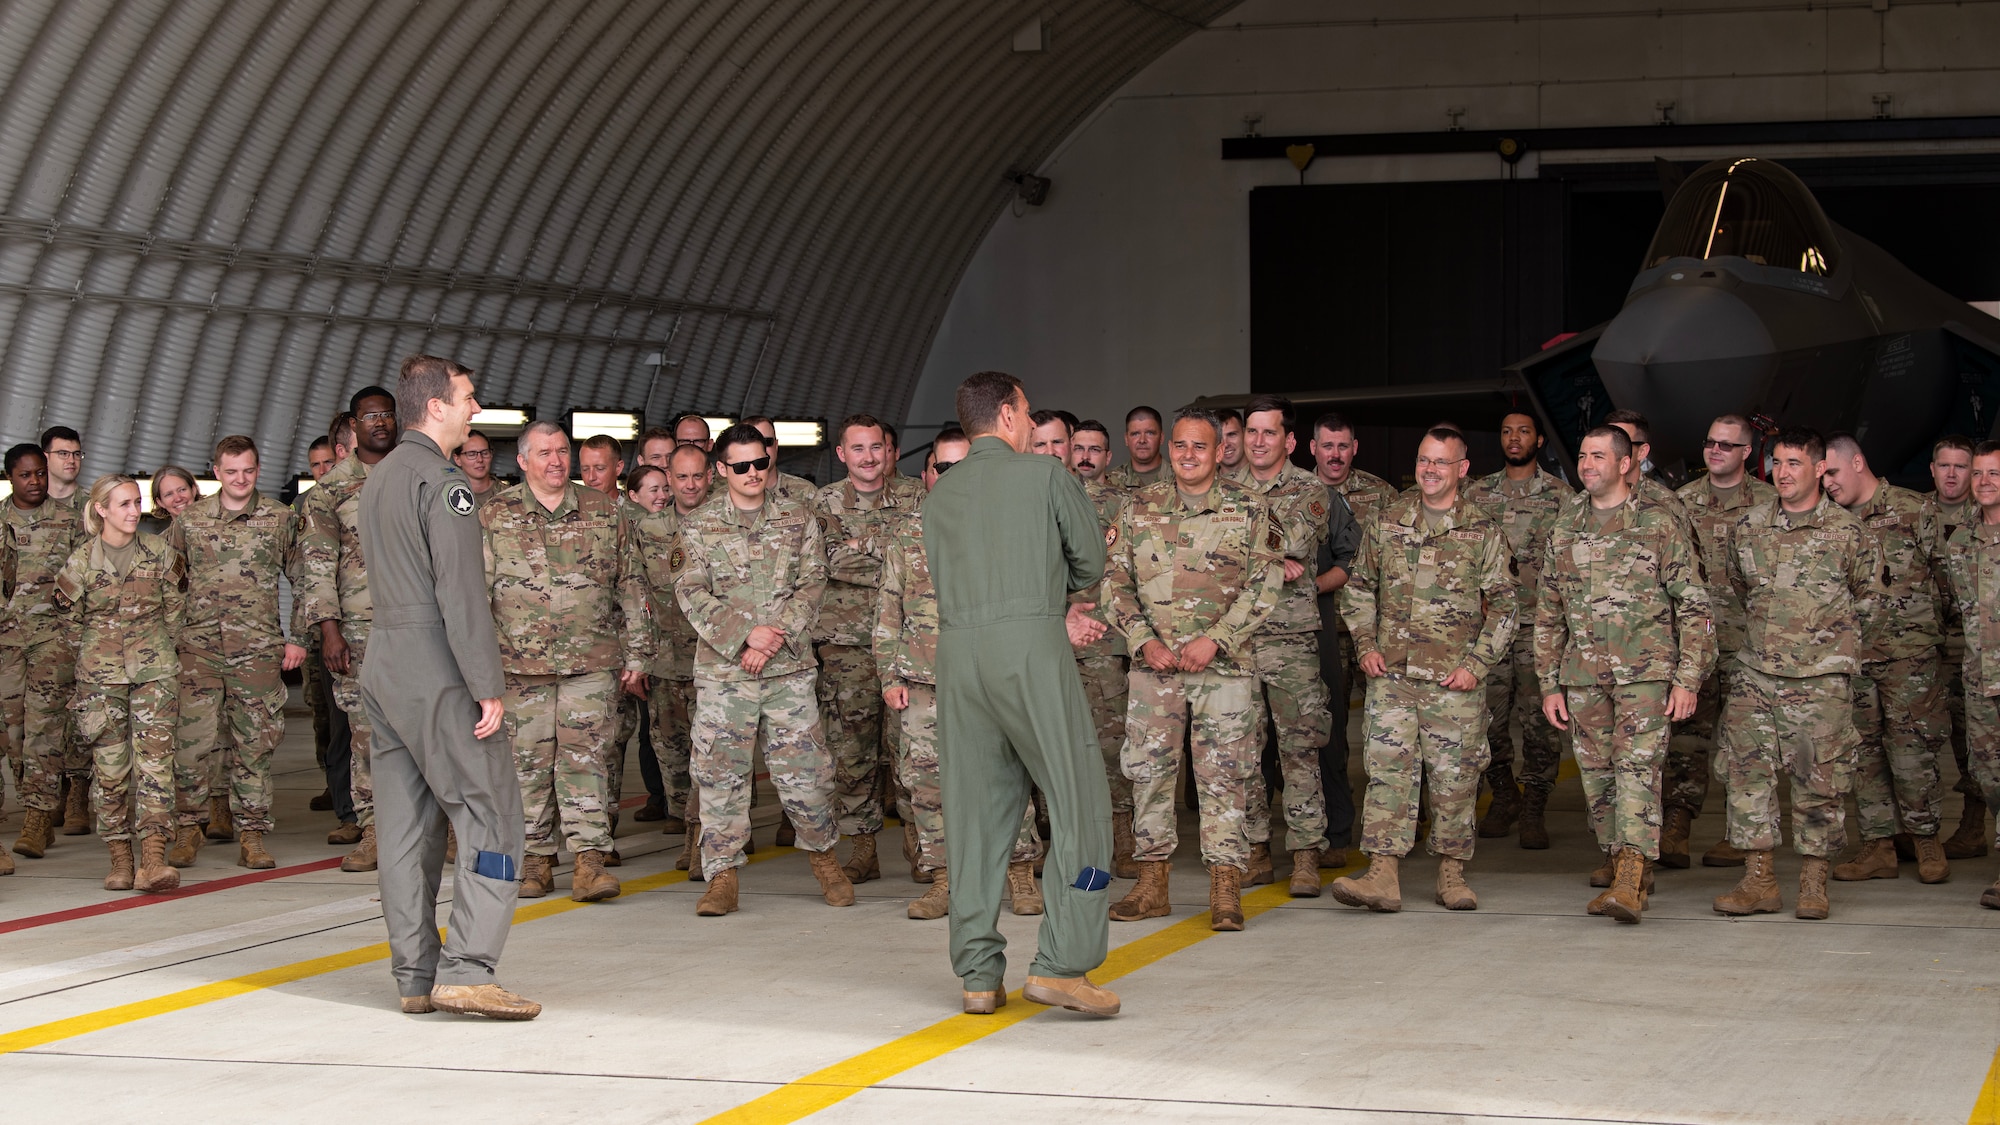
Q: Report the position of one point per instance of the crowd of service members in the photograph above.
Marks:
(1827, 626)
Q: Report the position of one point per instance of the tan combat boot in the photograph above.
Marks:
(1990, 898)
(6, 863)
(787, 835)
(1625, 901)
(538, 877)
(690, 857)
(589, 881)
(720, 897)
(1122, 845)
(1604, 874)
(1332, 859)
(1932, 867)
(1078, 994)
(1875, 860)
(1022, 890)
(1260, 870)
(936, 902)
(250, 851)
(1724, 854)
(344, 833)
(1756, 892)
(833, 883)
(489, 1000)
(1305, 873)
(1533, 827)
(76, 810)
(154, 874)
(35, 836)
(219, 825)
(862, 862)
(1505, 807)
(1452, 893)
(1378, 890)
(983, 1002)
(1970, 841)
(1813, 904)
(187, 845)
(1674, 837)
(1225, 898)
(120, 878)
(1149, 898)
(362, 858)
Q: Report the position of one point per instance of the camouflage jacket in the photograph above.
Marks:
(1971, 566)
(1126, 478)
(569, 594)
(1802, 579)
(1901, 619)
(127, 628)
(1109, 502)
(233, 561)
(1526, 509)
(1366, 494)
(906, 620)
(854, 569)
(785, 486)
(659, 538)
(1622, 604)
(481, 499)
(1177, 573)
(336, 585)
(1298, 502)
(1713, 516)
(738, 570)
(1950, 518)
(1431, 601)
(34, 545)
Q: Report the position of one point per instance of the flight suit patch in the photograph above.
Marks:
(459, 498)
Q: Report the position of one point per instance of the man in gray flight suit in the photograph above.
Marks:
(432, 685)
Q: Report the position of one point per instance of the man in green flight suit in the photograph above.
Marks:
(1010, 536)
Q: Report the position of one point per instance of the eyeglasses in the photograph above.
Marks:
(1711, 443)
(476, 454)
(375, 416)
(941, 466)
(67, 454)
(741, 467)
(1444, 463)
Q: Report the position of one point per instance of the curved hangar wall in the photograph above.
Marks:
(223, 216)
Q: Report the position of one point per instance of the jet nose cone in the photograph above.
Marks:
(1676, 324)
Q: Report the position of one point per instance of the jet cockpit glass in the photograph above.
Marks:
(1750, 209)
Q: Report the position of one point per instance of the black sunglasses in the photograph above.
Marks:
(941, 466)
(741, 467)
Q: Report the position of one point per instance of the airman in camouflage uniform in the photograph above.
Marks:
(1193, 574)
(1956, 507)
(38, 663)
(1899, 705)
(1143, 431)
(1623, 639)
(670, 690)
(1430, 604)
(1971, 568)
(1803, 576)
(335, 596)
(1103, 665)
(1365, 494)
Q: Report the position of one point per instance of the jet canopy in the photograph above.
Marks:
(1750, 209)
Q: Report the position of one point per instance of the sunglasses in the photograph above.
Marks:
(1711, 443)
(741, 467)
(941, 466)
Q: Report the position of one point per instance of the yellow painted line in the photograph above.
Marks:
(42, 1034)
(843, 1080)
(1986, 1111)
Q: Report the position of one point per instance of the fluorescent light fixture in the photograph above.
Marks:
(800, 434)
(619, 424)
(717, 425)
(306, 484)
(503, 421)
(6, 489)
(203, 485)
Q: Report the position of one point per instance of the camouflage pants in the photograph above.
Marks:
(1416, 736)
(129, 729)
(317, 701)
(561, 728)
(1287, 670)
(1620, 735)
(347, 694)
(13, 686)
(1954, 691)
(1901, 721)
(917, 769)
(1104, 688)
(1228, 719)
(851, 699)
(1805, 726)
(672, 710)
(1982, 736)
(1513, 691)
(728, 715)
(39, 722)
(232, 714)
(629, 706)
(1691, 748)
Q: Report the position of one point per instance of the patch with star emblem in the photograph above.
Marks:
(459, 497)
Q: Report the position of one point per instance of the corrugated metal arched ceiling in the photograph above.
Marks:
(224, 216)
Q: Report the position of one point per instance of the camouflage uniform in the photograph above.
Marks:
(1802, 578)
(232, 700)
(1102, 664)
(630, 707)
(1622, 618)
(849, 689)
(1180, 571)
(1431, 598)
(1971, 565)
(37, 650)
(127, 678)
(670, 690)
(1284, 655)
(1899, 704)
(1950, 518)
(733, 571)
(1526, 509)
(1365, 494)
(569, 605)
(336, 589)
(786, 487)
(1126, 479)
(1691, 748)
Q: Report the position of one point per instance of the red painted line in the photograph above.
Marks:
(136, 901)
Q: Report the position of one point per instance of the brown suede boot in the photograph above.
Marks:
(1149, 898)
(76, 809)
(1378, 890)
(187, 845)
(1674, 837)
(787, 835)
(589, 881)
(1875, 860)
(1813, 904)
(1225, 898)
(250, 851)
(1756, 892)
(362, 858)
(1723, 854)
(1333, 859)
(720, 897)
(862, 862)
(690, 857)
(344, 833)
(1534, 829)
(36, 835)
(219, 825)
(1121, 846)
(1970, 841)
(1604, 874)
(154, 874)
(1505, 807)
(1305, 873)
(1990, 897)
(936, 902)
(1452, 893)
(833, 883)
(1932, 867)
(537, 875)
(120, 878)
(6, 863)
(1625, 901)
(1022, 890)
(1260, 871)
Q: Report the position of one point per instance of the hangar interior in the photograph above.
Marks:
(225, 216)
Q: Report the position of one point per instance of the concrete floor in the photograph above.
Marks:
(1524, 1010)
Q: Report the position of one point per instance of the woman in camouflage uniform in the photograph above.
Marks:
(122, 590)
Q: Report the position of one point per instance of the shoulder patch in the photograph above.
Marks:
(1274, 540)
(1318, 509)
(1111, 536)
(459, 497)
(677, 560)
(822, 524)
